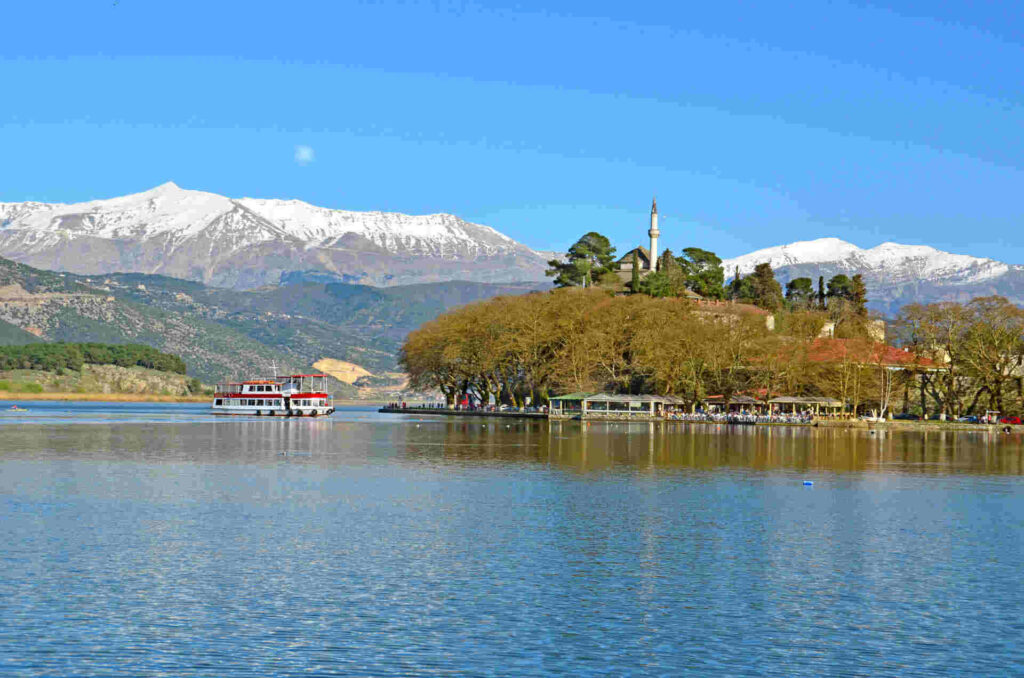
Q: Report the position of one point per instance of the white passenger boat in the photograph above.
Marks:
(296, 395)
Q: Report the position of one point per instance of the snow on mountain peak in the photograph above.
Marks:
(896, 261)
(803, 252)
(178, 214)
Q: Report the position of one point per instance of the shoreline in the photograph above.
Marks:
(840, 424)
(426, 411)
(143, 398)
(101, 397)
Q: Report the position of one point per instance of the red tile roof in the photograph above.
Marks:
(864, 352)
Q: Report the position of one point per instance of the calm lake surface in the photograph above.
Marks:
(140, 540)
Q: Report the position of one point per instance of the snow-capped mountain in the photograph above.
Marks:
(895, 274)
(250, 242)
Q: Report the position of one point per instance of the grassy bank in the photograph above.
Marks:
(100, 382)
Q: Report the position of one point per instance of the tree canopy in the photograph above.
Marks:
(57, 356)
(587, 260)
(765, 289)
(704, 273)
(800, 293)
(567, 340)
(981, 344)
(840, 287)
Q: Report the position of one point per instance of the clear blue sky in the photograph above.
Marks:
(754, 123)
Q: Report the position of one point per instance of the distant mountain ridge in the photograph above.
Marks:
(248, 242)
(223, 333)
(895, 274)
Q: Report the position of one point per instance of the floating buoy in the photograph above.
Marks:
(808, 483)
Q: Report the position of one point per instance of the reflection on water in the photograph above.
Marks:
(160, 432)
(158, 540)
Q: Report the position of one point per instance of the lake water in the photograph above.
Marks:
(142, 540)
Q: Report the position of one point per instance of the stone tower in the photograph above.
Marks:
(654, 233)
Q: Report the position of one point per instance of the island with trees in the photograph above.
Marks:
(681, 330)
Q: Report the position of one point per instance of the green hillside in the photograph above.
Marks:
(223, 333)
(12, 334)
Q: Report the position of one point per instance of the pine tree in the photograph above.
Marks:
(587, 260)
(734, 287)
(704, 274)
(821, 292)
(859, 295)
(767, 290)
(800, 293)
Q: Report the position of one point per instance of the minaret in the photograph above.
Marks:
(654, 233)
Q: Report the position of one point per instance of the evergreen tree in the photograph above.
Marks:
(657, 284)
(634, 283)
(859, 295)
(734, 286)
(704, 273)
(667, 262)
(669, 265)
(587, 260)
(800, 293)
(767, 292)
(821, 292)
(840, 287)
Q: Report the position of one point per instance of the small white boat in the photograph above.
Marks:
(295, 395)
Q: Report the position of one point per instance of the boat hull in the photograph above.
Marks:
(274, 411)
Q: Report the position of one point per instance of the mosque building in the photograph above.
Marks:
(646, 259)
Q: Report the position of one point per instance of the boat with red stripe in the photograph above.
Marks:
(293, 395)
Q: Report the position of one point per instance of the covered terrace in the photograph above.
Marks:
(818, 405)
(611, 406)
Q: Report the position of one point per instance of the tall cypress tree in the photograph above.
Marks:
(859, 295)
(821, 292)
(634, 283)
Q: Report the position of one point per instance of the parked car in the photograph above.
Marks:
(972, 419)
(906, 416)
(1010, 420)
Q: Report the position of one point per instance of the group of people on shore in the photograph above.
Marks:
(741, 417)
(463, 407)
(700, 416)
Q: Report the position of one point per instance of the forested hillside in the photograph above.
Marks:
(53, 357)
(224, 333)
(12, 334)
